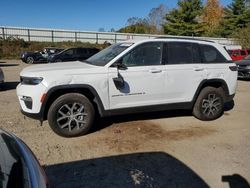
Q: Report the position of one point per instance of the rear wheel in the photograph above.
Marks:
(71, 115)
(30, 60)
(209, 104)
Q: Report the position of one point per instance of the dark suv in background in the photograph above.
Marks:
(73, 54)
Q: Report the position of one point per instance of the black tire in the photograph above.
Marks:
(30, 60)
(210, 104)
(58, 60)
(71, 115)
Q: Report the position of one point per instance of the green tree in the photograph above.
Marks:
(237, 15)
(184, 20)
(243, 36)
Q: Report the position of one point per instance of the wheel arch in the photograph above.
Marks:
(58, 91)
(213, 83)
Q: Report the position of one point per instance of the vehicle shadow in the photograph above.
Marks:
(101, 123)
(236, 181)
(243, 79)
(229, 105)
(8, 65)
(8, 86)
(146, 170)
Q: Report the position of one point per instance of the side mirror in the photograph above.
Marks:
(119, 82)
(119, 65)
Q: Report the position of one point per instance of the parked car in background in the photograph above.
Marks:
(1, 76)
(244, 68)
(39, 56)
(238, 54)
(73, 54)
(18, 166)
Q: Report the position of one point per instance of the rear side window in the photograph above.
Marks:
(211, 55)
(183, 53)
(82, 51)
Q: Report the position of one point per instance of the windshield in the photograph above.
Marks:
(106, 55)
(247, 57)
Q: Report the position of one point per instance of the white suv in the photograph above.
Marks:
(128, 77)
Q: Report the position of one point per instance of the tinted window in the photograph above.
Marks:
(144, 55)
(69, 52)
(82, 51)
(230, 52)
(236, 52)
(211, 55)
(242, 52)
(183, 53)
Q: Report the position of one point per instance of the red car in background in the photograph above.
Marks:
(238, 54)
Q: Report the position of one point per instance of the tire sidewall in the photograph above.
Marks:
(197, 110)
(68, 99)
(28, 62)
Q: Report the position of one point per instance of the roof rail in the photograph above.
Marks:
(185, 38)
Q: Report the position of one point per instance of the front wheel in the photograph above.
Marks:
(209, 104)
(71, 115)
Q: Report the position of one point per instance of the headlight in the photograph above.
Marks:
(248, 67)
(30, 80)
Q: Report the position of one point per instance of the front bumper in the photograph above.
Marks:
(29, 97)
(37, 116)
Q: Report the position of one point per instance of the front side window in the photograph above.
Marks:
(211, 55)
(144, 55)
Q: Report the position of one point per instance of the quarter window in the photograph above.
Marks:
(211, 55)
(144, 55)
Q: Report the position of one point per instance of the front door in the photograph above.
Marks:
(144, 78)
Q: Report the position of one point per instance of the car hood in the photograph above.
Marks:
(242, 62)
(73, 66)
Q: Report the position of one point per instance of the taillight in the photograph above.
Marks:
(233, 68)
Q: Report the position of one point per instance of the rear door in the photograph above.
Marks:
(184, 71)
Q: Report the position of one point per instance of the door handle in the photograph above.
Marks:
(155, 70)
